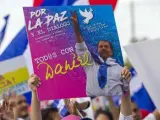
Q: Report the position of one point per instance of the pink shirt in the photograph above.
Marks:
(71, 117)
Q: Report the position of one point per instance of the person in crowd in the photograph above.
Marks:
(115, 110)
(103, 115)
(50, 114)
(6, 111)
(137, 114)
(80, 106)
(36, 114)
(124, 113)
(105, 77)
(129, 110)
(14, 106)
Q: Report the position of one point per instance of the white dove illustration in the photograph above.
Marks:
(87, 14)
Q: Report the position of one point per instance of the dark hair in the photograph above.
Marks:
(106, 113)
(47, 113)
(110, 44)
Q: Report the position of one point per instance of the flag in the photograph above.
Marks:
(143, 100)
(140, 94)
(2, 32)
(61, 106)
(17, 46)
(14, 74)
(146, 62)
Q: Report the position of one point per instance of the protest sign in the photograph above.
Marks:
(52, 41)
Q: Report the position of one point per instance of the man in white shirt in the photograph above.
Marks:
(129, 110)
(105, 77)
(136, 113)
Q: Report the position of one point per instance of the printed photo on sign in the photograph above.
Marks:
(75, 51)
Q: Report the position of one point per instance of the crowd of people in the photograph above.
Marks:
(14, 107)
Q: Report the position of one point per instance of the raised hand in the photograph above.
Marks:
(126, 74)
(71, 106)
(34, 82)
(74, 17)
(8, 108)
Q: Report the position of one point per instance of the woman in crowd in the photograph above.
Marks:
(103, 115)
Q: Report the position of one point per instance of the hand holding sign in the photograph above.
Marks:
(126, 74)
(71, 106)
(34, 82)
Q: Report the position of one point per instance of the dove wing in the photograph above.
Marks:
(82, 13)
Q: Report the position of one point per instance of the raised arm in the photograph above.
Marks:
(125, 109)
(81, 47)
(113, 109)
(34, 82)
(74, 20)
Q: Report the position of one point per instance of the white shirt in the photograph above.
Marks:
(122, 117)
(115, 85)
(149, 117)
(28, 118)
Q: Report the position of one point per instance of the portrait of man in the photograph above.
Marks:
(105, 77)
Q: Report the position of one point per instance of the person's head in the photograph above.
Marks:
(136, 113)
(21, 105)
(50, 114)
(103, 115)
(105, 49)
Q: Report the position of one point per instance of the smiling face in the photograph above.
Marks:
(105, 49)
(21, 106)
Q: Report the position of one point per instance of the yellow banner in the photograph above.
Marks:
(13, 78)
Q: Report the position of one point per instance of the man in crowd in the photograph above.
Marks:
(129, 110)
(16, 106)
(137, 115)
